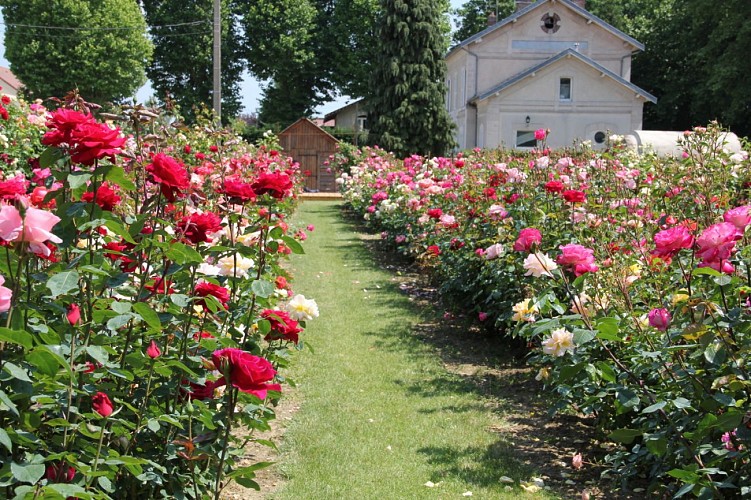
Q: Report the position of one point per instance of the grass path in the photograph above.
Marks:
(380, 416)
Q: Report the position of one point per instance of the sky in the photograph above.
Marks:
(250, 87)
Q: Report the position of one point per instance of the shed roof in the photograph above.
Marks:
(306, 122)
(562, 55)
(7, 75)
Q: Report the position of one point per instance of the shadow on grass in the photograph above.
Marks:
(486, 366)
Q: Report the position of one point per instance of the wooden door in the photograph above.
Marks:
(309, 168)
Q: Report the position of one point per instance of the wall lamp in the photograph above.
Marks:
(527, 120)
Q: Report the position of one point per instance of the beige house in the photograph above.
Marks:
(551, 65)
(352, 116)
(9, 83)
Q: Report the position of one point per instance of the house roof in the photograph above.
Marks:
(332, 114)
(312, 124)
(562, 55)
(7, 75)
(514, 17)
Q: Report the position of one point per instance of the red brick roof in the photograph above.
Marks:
(7, 76)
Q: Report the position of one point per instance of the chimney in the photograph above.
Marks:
(520, 4)
(492, 19)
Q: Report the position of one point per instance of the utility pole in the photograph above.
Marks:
(217, 95)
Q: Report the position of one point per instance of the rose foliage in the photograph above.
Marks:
(134, 293)
(629, 276)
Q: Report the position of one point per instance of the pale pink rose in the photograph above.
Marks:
(559, 342)
(497, 212)
(493, 251)
(538, 264)
(578, 258)
(5, 296)
(36, 230)
(11, 223)
(739, 216)
(577, 461)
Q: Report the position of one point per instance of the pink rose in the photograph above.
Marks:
(670, 241)
(528, 237)
(5, 296)
(36, 230)
(493, 251)
(578, 258)
(659, 318)
(540, 134)
(717, 242)
(739, 216)
(11, 223)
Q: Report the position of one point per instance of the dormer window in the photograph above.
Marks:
(564, 90)
(550, 23)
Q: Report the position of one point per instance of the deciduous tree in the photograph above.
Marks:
(99, 47)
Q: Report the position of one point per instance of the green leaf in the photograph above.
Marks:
(18, 337)
(117, 175)
(262, 288)
(183, 254)
(16, 371)
(686, 476)
(608, 328)
(627, 398)
(242, 471)
(62, 283)
(99, 354)
(5, 440)
(569, 371)
(715, 353)
(148, 315)
(69, 490)
(76, 180)
(46, 361)
(119, 230)
(50, 156)
(706, 271)
(118, 322)
(582, 336)
(653, 408)
(5, 400)
(293, 245)
(606, 371)
(625, 436)
(30, 473)
(180, 300)
(729, 420)
(657, 447)
(248, 483)
(681, 403)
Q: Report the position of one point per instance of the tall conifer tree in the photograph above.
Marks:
(407, 99)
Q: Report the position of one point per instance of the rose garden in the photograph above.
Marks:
(149, 318)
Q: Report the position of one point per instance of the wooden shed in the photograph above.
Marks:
(310, 146)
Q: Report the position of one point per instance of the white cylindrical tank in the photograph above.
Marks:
(666, 142)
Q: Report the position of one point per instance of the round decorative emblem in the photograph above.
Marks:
(550, 23)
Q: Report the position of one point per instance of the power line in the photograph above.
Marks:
(104, 28)
(80, 35)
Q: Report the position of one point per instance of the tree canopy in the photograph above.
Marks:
(182, 31)
(99, 47)
(407, 112)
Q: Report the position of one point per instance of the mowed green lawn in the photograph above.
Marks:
(380, 416)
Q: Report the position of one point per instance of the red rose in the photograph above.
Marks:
(106, 197)
(73, 314)
(59, 472)
(62, 122)
(282, 326)
(554, 187)
(435, 213)
(101, 404)
(160, 286)
(574, 196)
(91, 141)
(237, 191)
(195, 227)
(169, 173)
(204, 289)
(434, 250)
(117, 251)
(205, 391)
(276, 184)
(246, 371)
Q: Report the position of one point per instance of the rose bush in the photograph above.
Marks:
(133, 295)
(628, 275)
